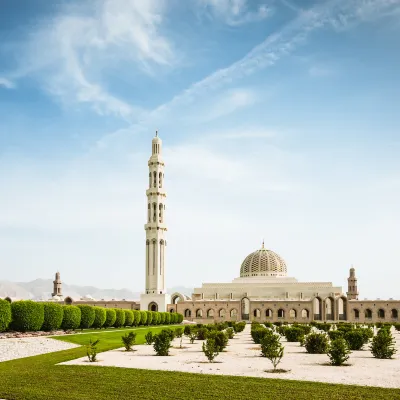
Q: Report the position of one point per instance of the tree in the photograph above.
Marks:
(316, 343)
(91, 350)
(149, 338)
(162, 343)
(382, 345)
(338, 351)
(272, 349)
(210, 349)
(129, 340)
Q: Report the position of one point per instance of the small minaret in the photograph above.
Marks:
(57, 286)
(352, 290)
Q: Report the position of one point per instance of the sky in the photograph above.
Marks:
(280, 121)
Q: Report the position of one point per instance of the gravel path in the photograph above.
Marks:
(242, 358)
(10, 349)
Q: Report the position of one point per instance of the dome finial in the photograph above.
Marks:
(262, 246)
(156, 132)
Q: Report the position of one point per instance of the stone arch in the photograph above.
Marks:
(199, 313)
(356, 312)
(281, 313)
(381, 313)
(171, 310)
(155, 179)
(342, 308)
(269, 313)
(149, 179)
(317, 308)
(292, 313)
(329, 304)
(160, 213)
(160, 179)
(221, 313)
(368, 313)
(394, 314)
(68, 300)
(233, 313)
(188, 313)
(305, 313)
(153, 306)
(245, 305)
(210, 313)
(256, 313)
(177, 297)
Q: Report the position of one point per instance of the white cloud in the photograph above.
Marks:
(7, 83)
(235, 12)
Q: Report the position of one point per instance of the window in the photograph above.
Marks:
(356, 314)
(281, 313)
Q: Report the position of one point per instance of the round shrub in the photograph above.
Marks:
(53, 316)
(154, 317)
(338, 351)
(180, 318)
(120, 318)
(355, 339)
(149, 318)
(333, 335)
(128, 317)
(162, 318)
(167, 318)
(202, 333)
(158, 318)
(383, 345)
(294, 334)
(143, 317)
(221, 339)
(136, 317)
(174, 318)
(27, 315)
(5, 315)
(99, 317)
(87, 316)
(111, 316)
(71, 317)
(316, 343)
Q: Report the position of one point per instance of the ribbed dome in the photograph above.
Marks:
(263, 262)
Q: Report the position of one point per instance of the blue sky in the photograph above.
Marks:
(280, 120)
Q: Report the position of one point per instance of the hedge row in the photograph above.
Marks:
(27, 315)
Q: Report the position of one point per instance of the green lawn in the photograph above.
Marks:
(38, 377)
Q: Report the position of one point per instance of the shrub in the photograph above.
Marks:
(91, 350)
(149, 337)
(162, 343)
(53, 316)
(382, 345)
(99, 317)
(272, 349)
(162, 318)
(149, 317)
(397, 327)
(128, 317)
(367, 333)
(169, 332)
(129, 340)
(158, 314)
(87, 316)
(210, 349)
(192, 335)
(355, 339)
(239, 326)
(136, 317)
(202, 334)
(338, 351)
(167, 318)
(27, 315)
(268, 325)
(180, 318)
(258, 333)
(143, 317)
(111, 316)
(71, 317)
(294, 334)
(279, 323)
(174, 318)
(333, 335)
(187, 329)
(119, 318)
(154, 317)
(5, 315)
(324, 327)
(345, 327)
(230, 333)
(305, 328)
(221, 339)
(316, 343)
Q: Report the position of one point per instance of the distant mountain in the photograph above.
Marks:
(40, 289)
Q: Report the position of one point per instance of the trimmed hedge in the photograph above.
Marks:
(149, 318)
(128, 317)
(167, 317)
(119, 318)
(27, 315)
(99, 317)
(143, 317)
(87, 316)
(71, 317)
(53, 316)
(5, 315)
(111, 316)
(136, 317)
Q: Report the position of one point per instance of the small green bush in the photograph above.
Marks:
(230, 332)
(111, 316)
(71, 318)
(169, 332)
(128, 340)
(316, 343)
(149, 337)
(202, 333)
(272, 349)
(128, 317)
(99, 317)
(258, 333)
(221, 339)
(180, 318)
(53, 316)
(333, 335)
(210, 349)
(187, 329)
(174, 318)
(143, 317)
(162, 343)
(355, 339)
(162, 318)
(91, 350)
(167, 318)
(149, 317)
(382, 345)
(87, 316)
(338, 351)
(119, 318)
(136, 317)
(294, 334)
(239, 327)
(5, 315)
(268, 325)
(27, 316)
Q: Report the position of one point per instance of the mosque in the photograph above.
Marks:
(262, 292)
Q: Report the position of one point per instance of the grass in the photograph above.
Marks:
(38, 378)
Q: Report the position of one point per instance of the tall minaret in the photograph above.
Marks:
(155, 297)
(57, 288)
(352, 290)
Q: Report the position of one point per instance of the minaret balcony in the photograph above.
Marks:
(156, 192)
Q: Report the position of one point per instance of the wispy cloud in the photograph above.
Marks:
(6, 83)
(235, 12)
